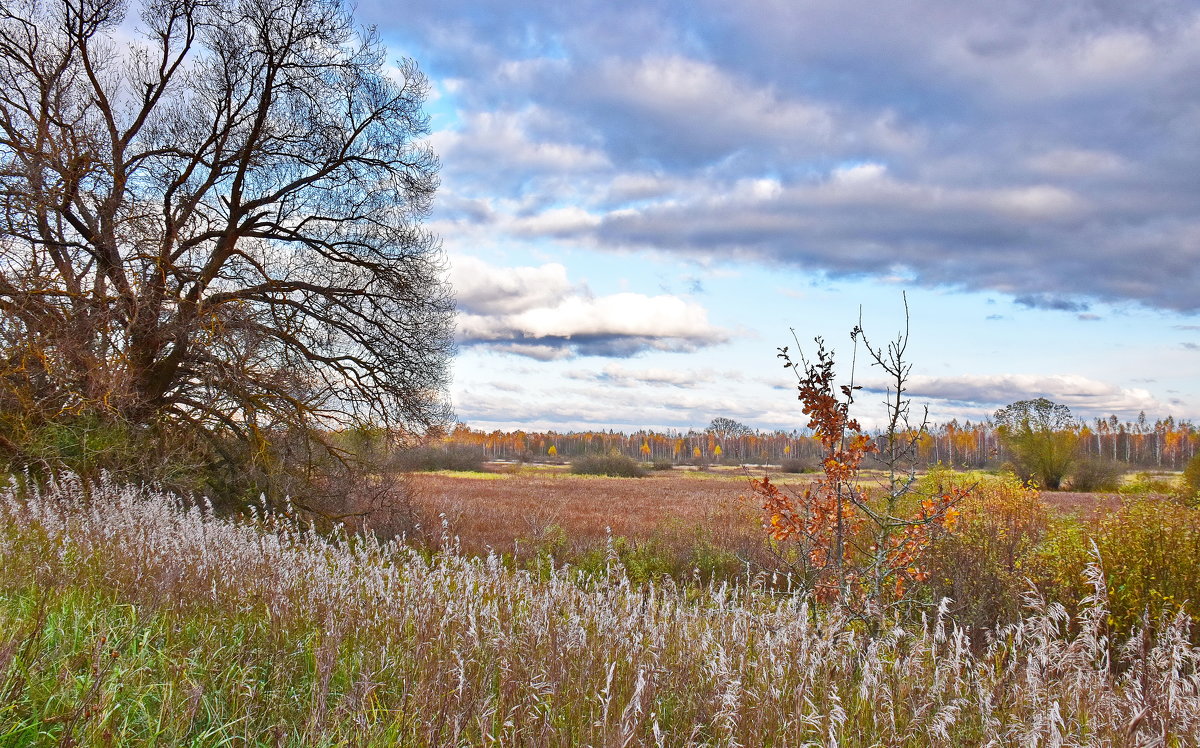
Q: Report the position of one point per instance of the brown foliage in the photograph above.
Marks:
(859, 548)
(516, 511)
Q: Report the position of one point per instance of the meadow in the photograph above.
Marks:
(706, 525)
(131, 617)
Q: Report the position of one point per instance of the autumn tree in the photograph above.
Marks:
(859, 545)
(212, 232)
(1042, 437)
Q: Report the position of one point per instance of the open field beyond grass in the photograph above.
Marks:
(485, 511)
(508, 507)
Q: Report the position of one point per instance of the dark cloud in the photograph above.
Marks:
(1050, 301)
(1043, 150)
(556, 347)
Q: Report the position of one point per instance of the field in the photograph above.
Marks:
(706, 526)
(520, 509)
(493, 509)
(128, 618)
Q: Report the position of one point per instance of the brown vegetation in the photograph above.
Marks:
(495, 508)
(506, 510)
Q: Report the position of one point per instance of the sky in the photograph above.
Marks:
(641, 202)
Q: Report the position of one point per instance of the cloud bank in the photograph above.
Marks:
(1042, 150)
(1085, 396)
(536, 312)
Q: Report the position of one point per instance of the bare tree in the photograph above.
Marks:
(727, 428)
(217, 224)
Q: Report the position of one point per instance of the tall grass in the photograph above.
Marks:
(129, 617)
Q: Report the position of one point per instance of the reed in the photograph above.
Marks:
(131, 617)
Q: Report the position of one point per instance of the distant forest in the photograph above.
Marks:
(1165, 443)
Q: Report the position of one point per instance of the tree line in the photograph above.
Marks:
(1139, 443)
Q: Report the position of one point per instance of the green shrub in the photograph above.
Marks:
(662, 555)
(618, 466)
(662, 464)
(91, 444)
(1149, 550)
(1144, 483)
(1191, 482)
(795, 465)
(428, 459)
(1096, 474)
(711, 562)
(982, 564)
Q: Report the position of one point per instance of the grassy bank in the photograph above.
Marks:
(129, 619)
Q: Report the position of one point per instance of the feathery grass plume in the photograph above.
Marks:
(133, 617)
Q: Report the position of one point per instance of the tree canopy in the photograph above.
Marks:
(215, 227)
(1042, 437)
(727, 428)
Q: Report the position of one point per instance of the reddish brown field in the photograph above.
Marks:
(1088, 506)
(495, 511)
(498, 510)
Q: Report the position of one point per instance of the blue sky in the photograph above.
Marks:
(639, 201)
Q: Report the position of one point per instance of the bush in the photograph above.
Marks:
(618, 466)
(1041, 437)
(1096, 474)
(1147, 483)
(797, 466)
(1007, 539)
(1148, 551)
(662, 464)
(981, 565)
(1191, 482)
(93, 444)
(428, 459)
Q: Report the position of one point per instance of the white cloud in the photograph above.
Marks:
(1075, 162)
(500, 140)
(1039, 202)
(709, 103)
(639, 186)
(619, 376)
(555, 221)
(536, 312)
(1086, 396)
(485, 289)
(857, 174)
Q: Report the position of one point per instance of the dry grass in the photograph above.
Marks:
(507, 504)
(1086, 506)
(128, 619)
(488, 513)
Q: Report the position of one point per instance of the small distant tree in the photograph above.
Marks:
(1191, 482)
(727, 428)
(1042, 437)
(859, 546)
